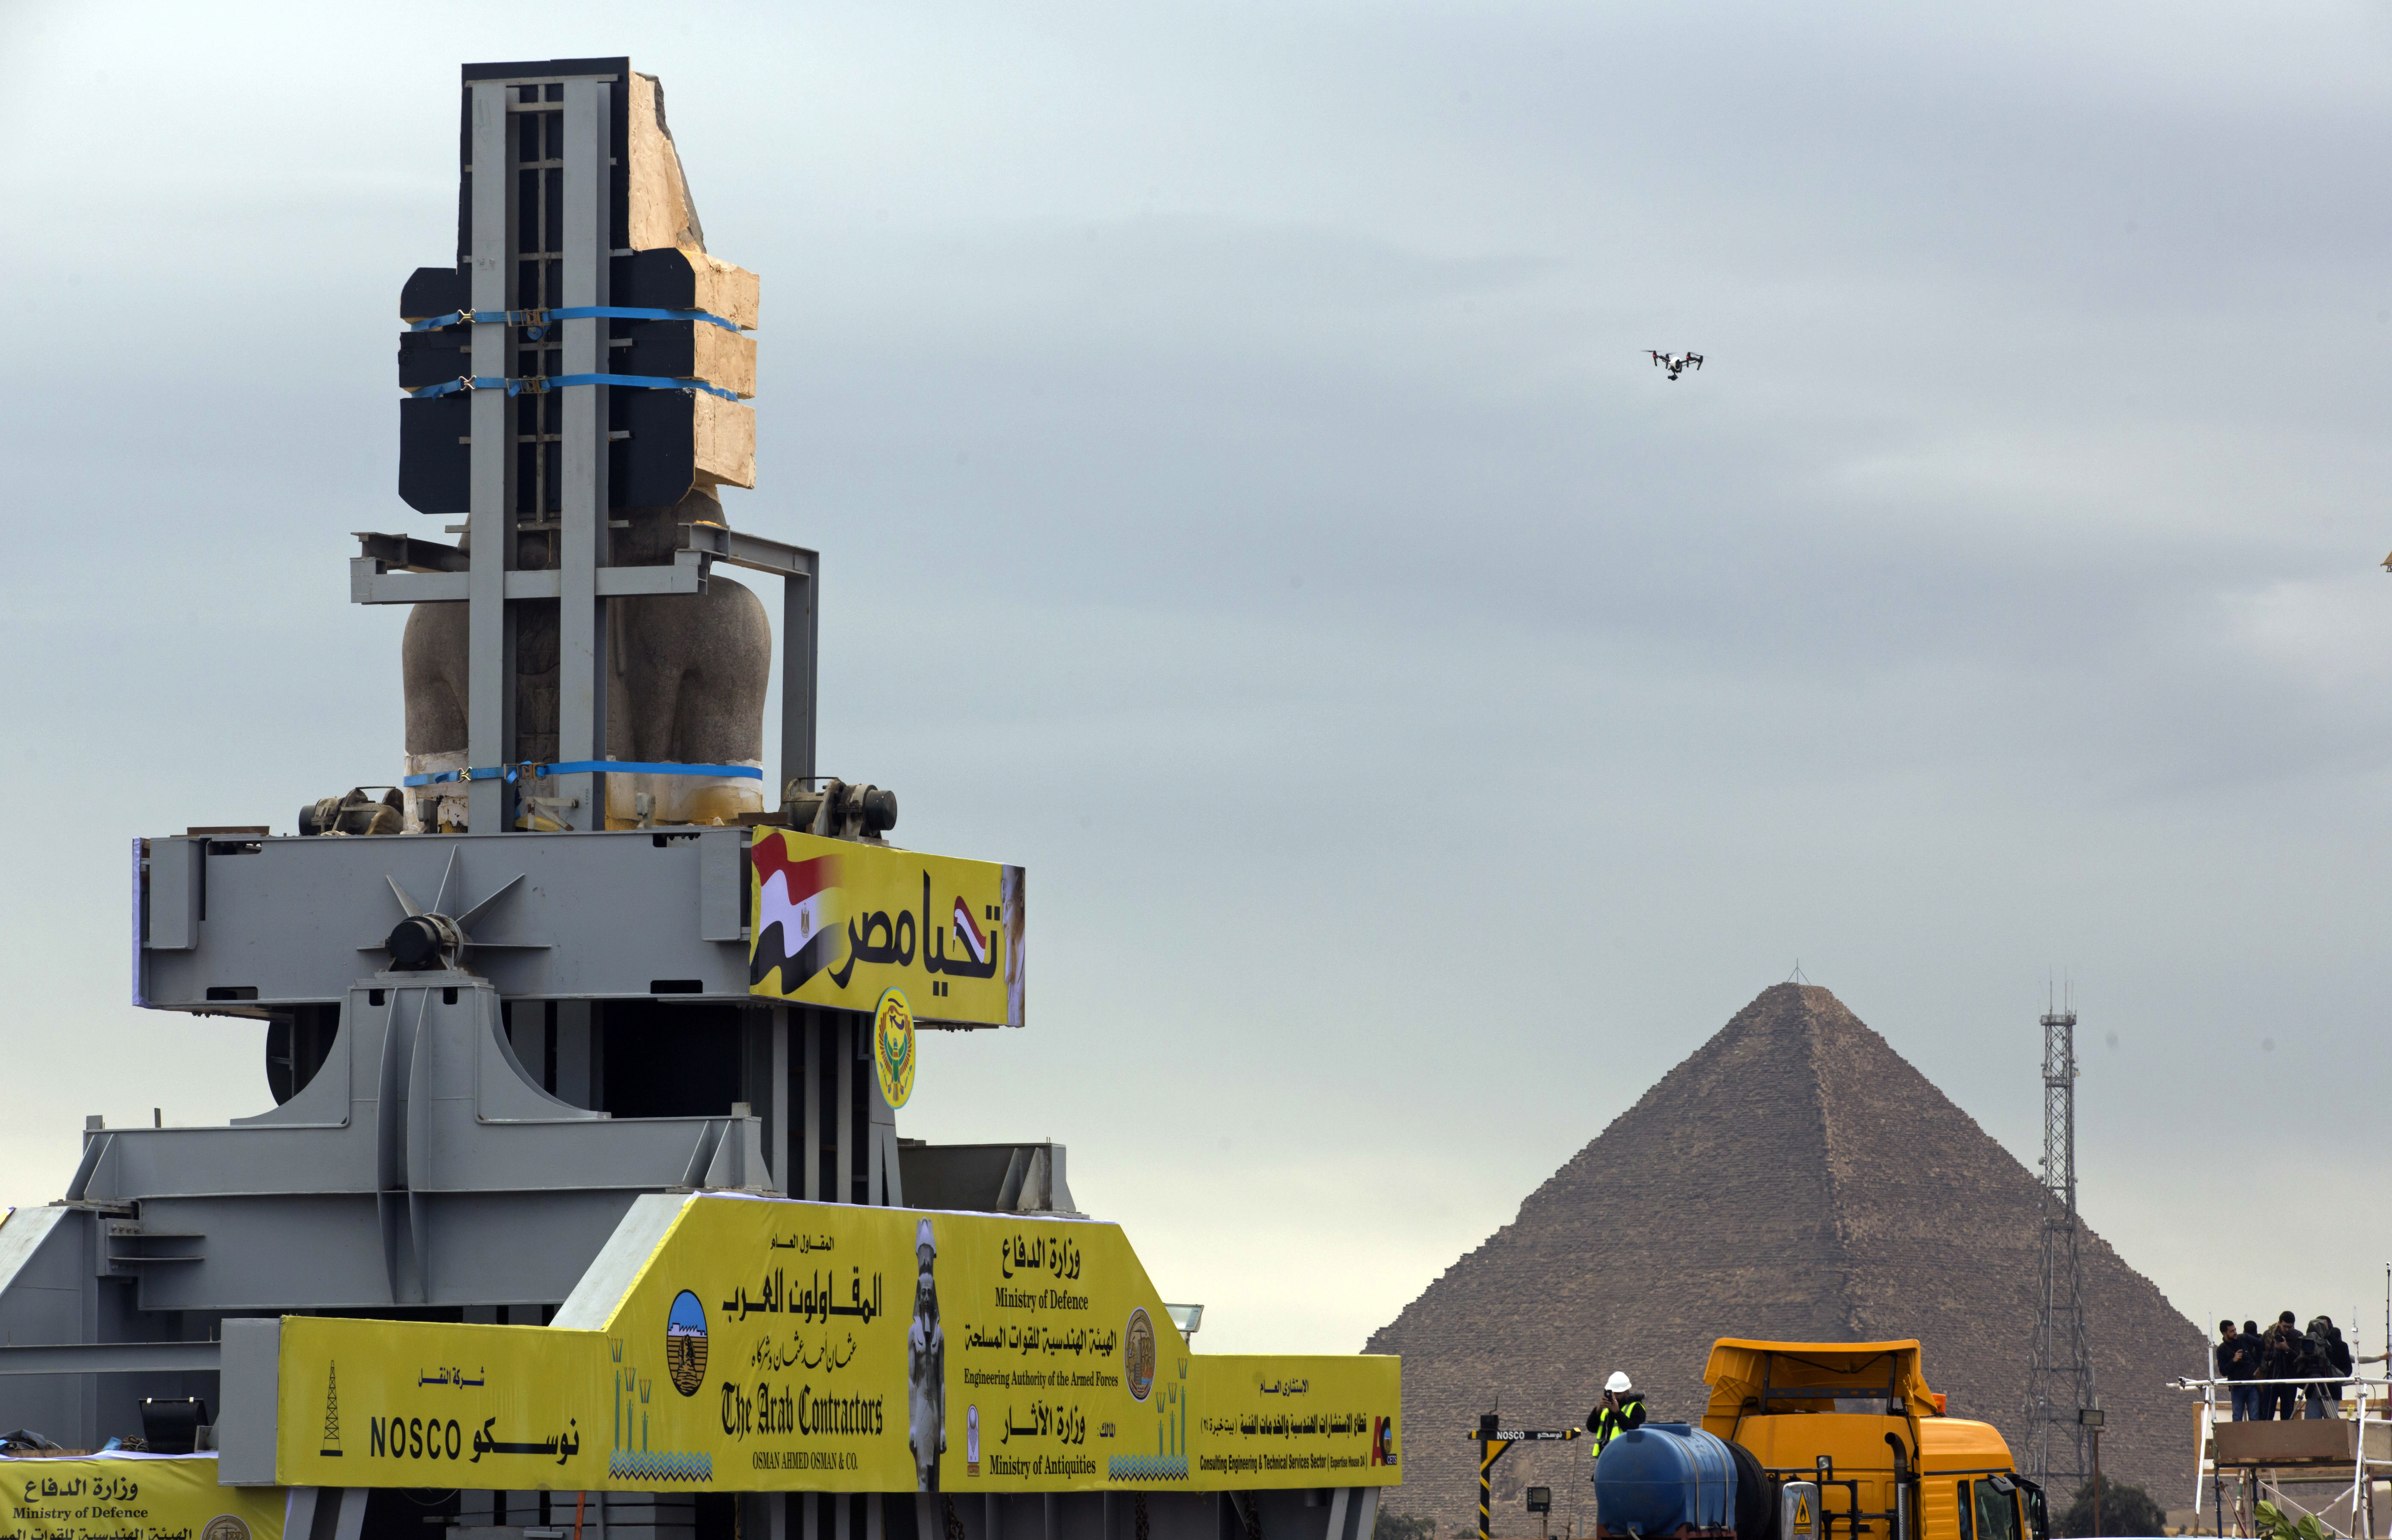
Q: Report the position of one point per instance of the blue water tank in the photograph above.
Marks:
(1665, 1479)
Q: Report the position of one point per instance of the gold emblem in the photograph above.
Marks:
(1137, 1354)
(892, 1046)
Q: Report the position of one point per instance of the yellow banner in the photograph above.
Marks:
(839, 922)
(778, 1346)
(132, 1497)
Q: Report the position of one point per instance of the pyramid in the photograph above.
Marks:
(1794, 1179)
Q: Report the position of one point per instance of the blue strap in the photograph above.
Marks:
(637, 382)
(581, 767)
(435, 777)
(537, 385)
(542, 320)
(450, 387)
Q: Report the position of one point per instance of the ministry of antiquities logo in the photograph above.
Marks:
(685, 1343)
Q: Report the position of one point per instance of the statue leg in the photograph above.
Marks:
(432, 670)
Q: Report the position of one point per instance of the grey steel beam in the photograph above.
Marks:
(111, 1358)
(753, 552)
(489, 690)
(371, 584)
(292, 921)
(581, 508)
(407, 552)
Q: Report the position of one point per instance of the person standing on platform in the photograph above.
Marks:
(1621, 1409)
(2237, 1360)
(2279, 1359)
(2328, 1355)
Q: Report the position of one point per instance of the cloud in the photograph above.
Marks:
(1367, 641)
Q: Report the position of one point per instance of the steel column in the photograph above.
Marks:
(575, 1054)
(812, 1122)
(843, 1045)
(490, 695)
(782, 1142)
(800, 629)
(583, 505)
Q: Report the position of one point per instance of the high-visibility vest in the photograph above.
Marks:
(1613, 1423)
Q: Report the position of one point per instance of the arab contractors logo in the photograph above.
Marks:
(892, 1046)
(685, 1343)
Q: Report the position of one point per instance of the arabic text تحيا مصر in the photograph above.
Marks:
(896, 938)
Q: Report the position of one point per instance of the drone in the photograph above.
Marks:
(1676, 361)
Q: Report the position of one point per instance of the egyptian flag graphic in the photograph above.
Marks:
(797, 919)
(968, 934)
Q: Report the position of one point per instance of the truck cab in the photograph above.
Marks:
(1858, 1420)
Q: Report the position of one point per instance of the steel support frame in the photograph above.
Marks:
(800, 627)
(490, 632)
(372, 582)
(111, 1358)
(582, 506)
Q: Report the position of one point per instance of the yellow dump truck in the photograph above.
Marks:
(1858, 1420)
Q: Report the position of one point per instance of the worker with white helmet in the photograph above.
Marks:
(1621, 1408)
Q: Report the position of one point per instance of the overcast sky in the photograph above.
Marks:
(1246, 503)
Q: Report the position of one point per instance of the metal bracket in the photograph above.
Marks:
(753, 552)
(407, 553)
(372, 581)
(800, 571)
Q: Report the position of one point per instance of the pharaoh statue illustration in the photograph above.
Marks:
(926, 1368)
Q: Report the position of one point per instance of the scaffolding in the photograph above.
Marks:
(2059, 1376)
(2338, 1462)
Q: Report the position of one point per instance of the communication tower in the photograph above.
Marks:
(2060, 1379)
